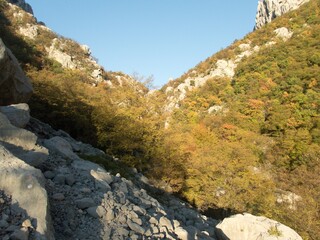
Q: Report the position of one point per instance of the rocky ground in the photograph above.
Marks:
(87, 202)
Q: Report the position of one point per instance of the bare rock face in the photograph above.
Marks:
(21, 3)
(54, 52)
(247, 227)
(15, 87)
(270, 9)
(30, 31)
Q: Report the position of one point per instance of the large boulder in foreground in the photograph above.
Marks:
(26, 186)
(248, 227)
(15, 86)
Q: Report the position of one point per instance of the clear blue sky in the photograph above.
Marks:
(163, 38)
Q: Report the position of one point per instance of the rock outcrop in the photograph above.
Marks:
(270, 9)
(30, 31)
(15, 87)
(222, 68)
(57, 54)
(22, 4)
(248, 227)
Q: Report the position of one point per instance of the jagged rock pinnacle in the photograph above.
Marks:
(270, 9)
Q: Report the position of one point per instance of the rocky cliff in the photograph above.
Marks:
(22, 4)
(270, 9)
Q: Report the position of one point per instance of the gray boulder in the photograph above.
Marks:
(15, 87)
(21, 143)
(96, 212)
(62, 147)
(247, 227)
(26, 185)
(85, 203)
(18, 114)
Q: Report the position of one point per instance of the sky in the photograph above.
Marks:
(162, 38)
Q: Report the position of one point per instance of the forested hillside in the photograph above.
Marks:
(252, 141)
(245, 140)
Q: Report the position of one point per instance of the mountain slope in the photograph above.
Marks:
(69, 84)
(249, 120)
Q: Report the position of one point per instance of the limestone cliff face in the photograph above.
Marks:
(270, 9)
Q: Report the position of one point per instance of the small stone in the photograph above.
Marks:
(135, 227)
(160, 236)
(181, 233)
(155, 230)
(148, 233)
(134, 237)
(165, 222)
(110, 215)
(190, 223)
(123, 232)
(102, 176)
(85, 190)
(70, 180)
(96, 212)
(176, 224)
(122, 219)
(133, 215)
(58, 196)
(153, 221)
(102, 186)
(26, 223)
(139, 210)
(85, 203)
(137, 221)
(59, 179)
